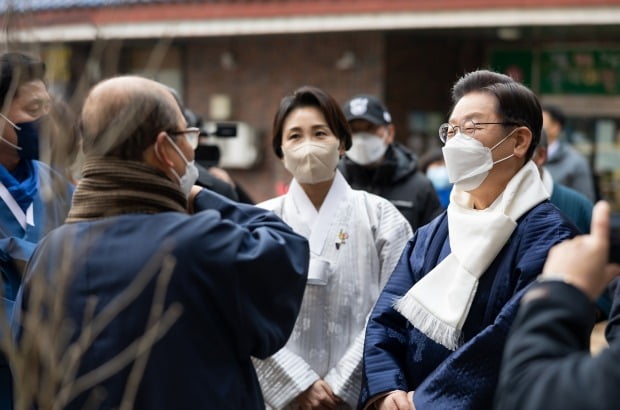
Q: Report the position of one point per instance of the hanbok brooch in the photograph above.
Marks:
(342, 238)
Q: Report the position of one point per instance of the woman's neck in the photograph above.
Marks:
(317, 192)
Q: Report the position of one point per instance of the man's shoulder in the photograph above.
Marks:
(150, 230)
(544, 212)
(438, 222)
(576, 206)
(546, 218)
(565, 193)
(571, 155)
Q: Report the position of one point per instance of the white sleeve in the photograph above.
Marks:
(392, 233)
(283, 376)
(346, 378)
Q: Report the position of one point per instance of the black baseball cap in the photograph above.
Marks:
(367, 107)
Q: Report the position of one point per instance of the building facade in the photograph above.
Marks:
(233, 60)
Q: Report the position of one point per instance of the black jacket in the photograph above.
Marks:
(398, 180)
(206, 180)
(547, 363)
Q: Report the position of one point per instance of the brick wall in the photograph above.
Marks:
(410, 71)
(420, 70)
(269, 67)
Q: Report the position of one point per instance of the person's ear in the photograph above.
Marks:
(389, 134)
(523, 140)
(161, 153)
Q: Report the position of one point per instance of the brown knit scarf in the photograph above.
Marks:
(112, 187)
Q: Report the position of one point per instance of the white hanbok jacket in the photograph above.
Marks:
(356, 238)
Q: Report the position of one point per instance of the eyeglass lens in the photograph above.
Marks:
(447, 131)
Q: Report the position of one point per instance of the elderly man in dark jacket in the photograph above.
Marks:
(235, 273)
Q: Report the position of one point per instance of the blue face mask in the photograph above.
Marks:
(438, 176)
(28, 138)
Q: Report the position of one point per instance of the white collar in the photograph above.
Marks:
(319, 221)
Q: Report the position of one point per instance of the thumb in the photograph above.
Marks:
(599, 228)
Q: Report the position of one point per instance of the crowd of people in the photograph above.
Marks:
(376, 282)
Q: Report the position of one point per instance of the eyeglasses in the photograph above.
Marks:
(467, 127)
(191, 134)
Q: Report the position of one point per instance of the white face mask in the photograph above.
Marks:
(468, 161)
(312, 162)
(189, 178)
(367, 148)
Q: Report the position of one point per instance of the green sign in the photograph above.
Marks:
(515, 63)
(581, 71)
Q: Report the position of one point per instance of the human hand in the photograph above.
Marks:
(192, 196)
(318, 396)
(396, 400)
(582, 261)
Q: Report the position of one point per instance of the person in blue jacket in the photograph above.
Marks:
(33, 197)
(434, 339)
(576, 206)
(238, 272)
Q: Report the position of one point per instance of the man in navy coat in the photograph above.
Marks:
(198, 283)
(434, 339)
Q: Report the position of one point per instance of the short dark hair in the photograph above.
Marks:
(556, 114)
(17, 69)
(516, 103)
(308, 96)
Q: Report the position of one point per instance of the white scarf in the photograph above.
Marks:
(439, 303)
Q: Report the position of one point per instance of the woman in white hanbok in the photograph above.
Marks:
(355, 238)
